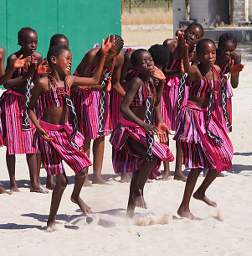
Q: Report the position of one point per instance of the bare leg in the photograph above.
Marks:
(167, 171)
(125, 177)
(137, 185)
(179, 175)
(183, 209)
(79, 180)
(11, 163)
(87, 183)
(200, 192)
(61, 183)
(98, 152)
(33, 171)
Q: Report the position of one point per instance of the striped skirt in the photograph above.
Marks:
(124, 159)
(199, 150)
(115, 105)
(169, 102)
(60, 149)
(87, 105)
(17, 140)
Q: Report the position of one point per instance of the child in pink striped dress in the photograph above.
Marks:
(229, 60)
(204, 140)
(16, 139)
(58, 140)
(93, 106)
(135, 149)
(169, 103)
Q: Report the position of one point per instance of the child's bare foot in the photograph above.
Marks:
(14, 188)
(50, 183)
(83, 206)
(51, 226)
(87, 182)
(180, 176)
(166, 175)
(140, 202)
(98, 180)
(3, 191)
(39, 190)
(125, 177)
(199, 196)
(185, 213)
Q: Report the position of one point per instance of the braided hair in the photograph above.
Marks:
(56, 51)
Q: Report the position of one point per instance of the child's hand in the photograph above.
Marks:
(182, 44)
(158, 74)
(236, 69)
(43, 68)
(107, 45)
(2, 54)
(44, 134)
(151, 129)
(19, 62)
(163, 132)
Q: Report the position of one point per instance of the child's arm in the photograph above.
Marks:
(235, 69)
(116, 77)
(95, 79)
(132, 89)
(16, 63)
(192, 70)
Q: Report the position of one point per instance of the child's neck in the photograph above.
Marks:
(144, 77)
(204, 69)
(58, 77)
(24, 53)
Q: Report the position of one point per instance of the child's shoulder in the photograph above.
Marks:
(43, 83)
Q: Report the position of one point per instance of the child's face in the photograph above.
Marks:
(208, 54)
(64, 62)
(146, 64)
(30, 42)
(227, 50)
(192, 35)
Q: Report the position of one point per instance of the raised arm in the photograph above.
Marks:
(235, 69)
(95, 79)
(116, 77)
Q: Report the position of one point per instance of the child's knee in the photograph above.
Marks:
(62, 181)
(83, 173)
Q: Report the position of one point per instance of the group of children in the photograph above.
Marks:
(137, 96)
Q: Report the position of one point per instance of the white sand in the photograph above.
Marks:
(23, 215)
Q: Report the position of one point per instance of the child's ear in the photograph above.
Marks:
(53, 59)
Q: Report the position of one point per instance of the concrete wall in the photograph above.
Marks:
(210, 12)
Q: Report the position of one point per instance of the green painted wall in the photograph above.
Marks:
(84, 22)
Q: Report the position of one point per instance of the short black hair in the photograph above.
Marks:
(56, 51)
(54, 39)
(135, 56)
(160, 54)
(227, 37)
(196, 24)
(22, 33)
(201, 44)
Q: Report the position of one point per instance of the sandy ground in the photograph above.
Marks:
(23, 215)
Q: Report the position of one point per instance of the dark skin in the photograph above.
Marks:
(207, 60)
(17, 83)
(228, 56)
(61, 41)
(191, 35)
(84, 69)
(60, 70)
(145, 69)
